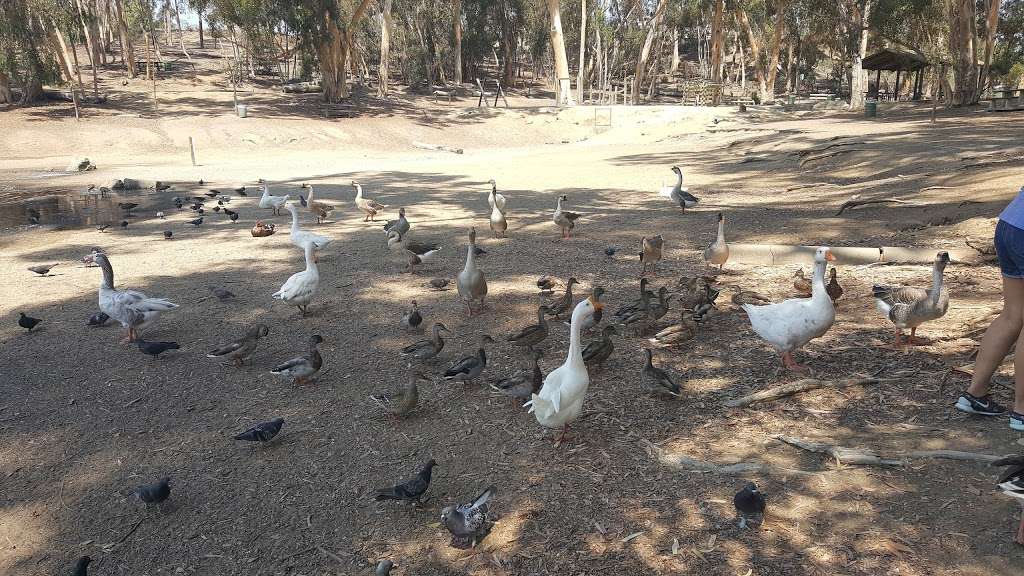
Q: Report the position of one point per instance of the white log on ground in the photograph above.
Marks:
(683, 462)
(796, 387)
(869, 457)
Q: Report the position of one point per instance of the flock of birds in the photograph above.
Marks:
(556, 400)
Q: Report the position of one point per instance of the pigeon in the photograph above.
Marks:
(410, 491)
(41, 269)
(124, 224)
(222, 293)
(1011, 482)
(383, 568)
(154, 349)
(196, 222)
(262, 432)
(749, 501)
(439, 283)
(233, 215)
(201, 183)
(168, 234)
(160, 215)
(102, 227)
(222, 199)
(200, 211)
(610, 251)
(81, 566)
(478, 251)
(196, 207)
(229, 212)
(412, 319)
(216, 209)
(220, 202)
(28, 322)
(212, 194)
(153, 493)
(178, 204)
(468, 522)
(98, 319)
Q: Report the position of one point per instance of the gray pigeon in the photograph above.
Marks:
(383, 568)
(222, 293)
(98, 319)
(410, 491)
(154, 493)
(81, 566)
(262, 432)
(468, 523)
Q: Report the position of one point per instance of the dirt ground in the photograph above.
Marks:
(85, 418)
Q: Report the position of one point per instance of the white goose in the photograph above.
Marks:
(301, 287)
(301, 237)
(560, 400)
(134, 310)
(494, 198)
(273, 202)
(679, 194)
(790, 324)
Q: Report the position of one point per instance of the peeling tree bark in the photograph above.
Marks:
(126, 42)
(717, 35)
(385, 47)
(859, 76)
(457, 20)
(991, 22)
(583, 48)
(755, 52)
(558, 51)
(645, 52)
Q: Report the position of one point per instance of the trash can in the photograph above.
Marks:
(870, 108)
(242, 110)
(791, 99)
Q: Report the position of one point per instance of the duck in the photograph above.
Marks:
(275, 203)
(263, 229)
(533, 334)
(402, 401)
(525, 384)
(676, 334)
(242, 349)
(134, 310)
(788, 325)
(301, 287)
(560, 400)
(499, 225)
(834, 290)
(546, 284)
(564, 303)
(598, 351)
(565, 219)
(693, 292)
(370, 207)
(717, 252)
(1011, 482)
(301, 237)
(656, 379)
(641, 303)
(909, 307)
(301, 368)
(643, 319)
(412, 320)
(429, 348)
(438, 284)
(742, 297)
(494, 198)
(471, 282)
(801, 284)
(650, 253)
(401, 225)
(416, 252)
(319, 208)
(679, 194)
(469, 368)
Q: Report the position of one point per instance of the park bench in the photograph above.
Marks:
(141, 65)
(1005, 100)
(337, 110)
(822, 96)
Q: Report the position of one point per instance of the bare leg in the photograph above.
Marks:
(913, 340)
(1000, 336)
(790, 363)
(1020, 530)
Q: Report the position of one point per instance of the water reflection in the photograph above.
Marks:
(74, 209)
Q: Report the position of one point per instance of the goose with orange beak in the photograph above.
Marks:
(788, 325)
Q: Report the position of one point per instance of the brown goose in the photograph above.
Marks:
(533, 334)
(909, 306)
(650, 253)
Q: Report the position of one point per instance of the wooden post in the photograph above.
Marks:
(192, 150)
(74, 98)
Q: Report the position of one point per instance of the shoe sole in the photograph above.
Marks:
(966, 407)
(1017, 424)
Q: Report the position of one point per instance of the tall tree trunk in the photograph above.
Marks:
(563, 90)
(675, 51)
(717, 36)
(202, 40)
(126, 40)
(331, 54)
(755, 54)
(991, 21)
(181, 34)
(773, 53)
(90, 49)
(858, 75)
(743, 69)
(583, 49)
(5, 89)
(645, 52)
(385, 48)
(457, 21)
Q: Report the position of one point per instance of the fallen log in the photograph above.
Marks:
(682, 462)
(854, 202)
(814, 185)
(868, 457)
(440, 147)
(796, 387)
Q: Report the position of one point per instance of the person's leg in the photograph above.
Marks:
(1000, 336)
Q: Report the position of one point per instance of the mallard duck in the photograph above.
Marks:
(469, 368)
(275, 203)
(533, 334)
(300, 369)
(834, 290)
(498, 222)
(656, 379)
(679, 194)
(471, 281)
(524, 384)
(400, 402)
(564, 303)
(1011, 482)
(788, 325)
(262, 229)
(369, 207)
(427, 349)
(319, 208)
(546, 284)
(412, 319)
(560, 400)
(641, 303)
(565, 219)
(401, 225)
(301, 287)
(438, 284)
(742, 297)
(598, 351)
(495, 199)
(801, 284)
(909, 307)
(717, 252)
(676, 334)
(692, 291)
(650, 253)
(242, 349)
(134, 310)
(645, 318)
(302, 237)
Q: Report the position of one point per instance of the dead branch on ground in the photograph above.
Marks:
(855, 201)
(796, 387)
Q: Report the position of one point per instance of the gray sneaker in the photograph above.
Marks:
(983, 406)
(1017, 421)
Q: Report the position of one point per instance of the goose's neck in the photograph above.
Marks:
(575, 356)
(483, 355)
(108, 275)
(310, 261)
(721, 230)
(266, 191)
(558, 207)
(936, 282)
(679, 181)
(470, 257)
(818, 280)
(295, 221)
(359, 192)
(310, 197)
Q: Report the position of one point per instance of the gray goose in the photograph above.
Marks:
(909, 307)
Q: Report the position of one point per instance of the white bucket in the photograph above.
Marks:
(242, 110)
